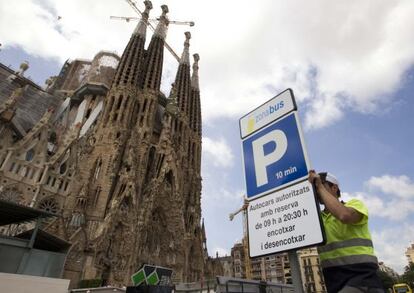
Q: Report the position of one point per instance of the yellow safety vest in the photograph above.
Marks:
(347, 244)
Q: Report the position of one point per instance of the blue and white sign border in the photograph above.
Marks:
(265, 221)
(287, 96)
(293, 109)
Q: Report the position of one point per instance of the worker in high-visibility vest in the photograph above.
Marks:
(348, 261)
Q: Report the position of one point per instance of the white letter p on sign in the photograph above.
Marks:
(261, 161)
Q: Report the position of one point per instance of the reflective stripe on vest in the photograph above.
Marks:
(349, 260)
(345, 243)
(350, 251)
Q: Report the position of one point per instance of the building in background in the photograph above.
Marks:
(104, 148)
(276, 268)
(389, 271)
(410, 253)
(311, 271)
(227, 265)
(273, 268)
(239, 260)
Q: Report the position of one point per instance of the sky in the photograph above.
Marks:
(349, 63)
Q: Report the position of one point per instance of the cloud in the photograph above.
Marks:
(34, 26)
(400, 186)
(392, 209)
(221, 251)
(391, 243)
(391, 198)
(217, 152)
(337, 57)
(223, 195)
(218, 202)
(322, 112)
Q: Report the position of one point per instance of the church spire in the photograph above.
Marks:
(185, 57)
(195, 116)
(141, 28)
(8, 108)
(182, 79)
(130, 64)
(155, 54)
(194, 79)
(162, 27)
(127, 77)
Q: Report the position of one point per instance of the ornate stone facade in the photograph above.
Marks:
(116, 158)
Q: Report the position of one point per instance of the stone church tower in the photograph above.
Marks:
(118, 159)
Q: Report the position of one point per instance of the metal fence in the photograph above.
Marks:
(232, 285)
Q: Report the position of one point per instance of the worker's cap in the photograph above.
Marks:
(328, 177)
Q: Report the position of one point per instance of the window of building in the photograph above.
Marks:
(97, 169)
(49, 205)
(2, 162)
(63, 168)
(32, 174)
(27, 171)
(12, 195)
(29, 155)
(88, 113)
(96, 198)
(119, 102)
(11, 167)
(61, 185)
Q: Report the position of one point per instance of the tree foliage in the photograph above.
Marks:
(387, 280)
(90, 283)
(408, 276)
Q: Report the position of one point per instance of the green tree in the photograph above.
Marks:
(387, 280)
(408, 276)
(90, 283)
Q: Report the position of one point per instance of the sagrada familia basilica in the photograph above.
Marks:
(116, 159)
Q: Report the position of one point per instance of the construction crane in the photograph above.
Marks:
(245, 239)
(135, 7)
(128, 19)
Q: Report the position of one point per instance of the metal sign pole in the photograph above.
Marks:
(295, 271)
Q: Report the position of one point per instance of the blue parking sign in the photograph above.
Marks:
(274, 157)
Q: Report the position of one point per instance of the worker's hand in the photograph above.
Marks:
(245, 204)
(314, 178)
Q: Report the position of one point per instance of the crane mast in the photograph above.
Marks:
(133, 18)
(245, 241)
